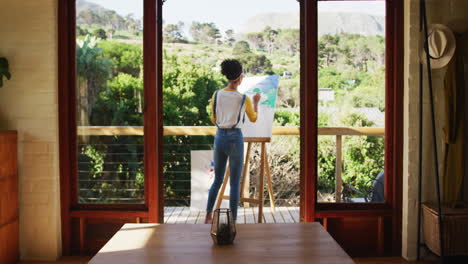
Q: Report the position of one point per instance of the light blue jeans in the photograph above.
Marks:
(228, 143)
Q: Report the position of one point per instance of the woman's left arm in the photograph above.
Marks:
(212, 115)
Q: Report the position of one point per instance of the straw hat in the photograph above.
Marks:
(441, 42)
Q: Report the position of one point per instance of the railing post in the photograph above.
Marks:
(339, 168)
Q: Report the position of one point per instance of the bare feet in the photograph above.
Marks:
(209, 218)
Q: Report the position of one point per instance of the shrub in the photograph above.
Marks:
(100, 33)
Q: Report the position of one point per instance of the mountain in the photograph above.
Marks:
(329, 23)
(92, 14)
(83, 4)
(274, 20)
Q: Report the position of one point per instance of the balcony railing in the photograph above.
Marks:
(338, 132)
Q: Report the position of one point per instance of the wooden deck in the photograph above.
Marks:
(183, 215)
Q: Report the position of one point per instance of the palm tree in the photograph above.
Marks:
(93, 71)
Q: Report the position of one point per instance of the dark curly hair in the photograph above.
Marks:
(231, 68)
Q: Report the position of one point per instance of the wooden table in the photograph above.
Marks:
(255, 243)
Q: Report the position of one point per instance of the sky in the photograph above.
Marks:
(233, 13)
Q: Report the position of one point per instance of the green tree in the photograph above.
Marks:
(254, 64)
(126, 58)
(204, 32)
(120, 103)
(187, 87)
(240, 48)
(330, 77)
(288, 39)
(269, 36)
(173, 33)
(100, 33)
(132, 23)
(256, 39)
(229, 40)
(328, 49)
(363, 155)
(369, 90)
(111, 33)
(81, 31)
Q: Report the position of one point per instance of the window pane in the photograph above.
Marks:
(351, 61)
(198, 35)
(109, 60)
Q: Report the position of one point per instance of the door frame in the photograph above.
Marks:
(310, 209)
(153, 208)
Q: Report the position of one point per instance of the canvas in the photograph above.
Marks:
(202, 177)
(267, 86)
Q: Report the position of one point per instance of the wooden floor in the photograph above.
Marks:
(183, 215)
(300, 243)
(391, 260)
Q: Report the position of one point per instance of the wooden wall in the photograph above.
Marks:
(9, 226)
(362, 236)
(90, 234)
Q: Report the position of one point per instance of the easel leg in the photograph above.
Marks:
(270, 184)
(260, 187)
(223, 188)
(246, 176)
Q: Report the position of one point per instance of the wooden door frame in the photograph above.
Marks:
(308, 109)
(153, 208)
(310, 209)
(153, 120)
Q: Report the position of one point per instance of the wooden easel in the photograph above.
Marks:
(264, 170)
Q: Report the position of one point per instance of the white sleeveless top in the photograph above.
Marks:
(228, 107)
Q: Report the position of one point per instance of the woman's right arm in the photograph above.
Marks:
(252, 109)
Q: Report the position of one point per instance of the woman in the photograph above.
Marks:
(228, 110)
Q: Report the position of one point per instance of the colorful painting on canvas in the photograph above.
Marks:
(267, 86)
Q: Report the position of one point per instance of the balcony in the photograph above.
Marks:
(177, 171)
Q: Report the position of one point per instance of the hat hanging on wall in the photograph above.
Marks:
(441, 42)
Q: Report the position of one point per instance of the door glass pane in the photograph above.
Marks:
(351, 60)
(109, 61)
(198, 35)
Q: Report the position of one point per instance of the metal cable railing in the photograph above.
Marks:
(118, 172)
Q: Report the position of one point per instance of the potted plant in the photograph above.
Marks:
(4, 70)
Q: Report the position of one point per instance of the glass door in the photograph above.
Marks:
(109, 103)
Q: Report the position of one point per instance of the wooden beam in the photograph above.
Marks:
(339, 168)
(153, 116)
(353, 213)
(82, 235)
(108, 214)
(245, 188)
(66, 108)
(211, 131)
(260, 183)
(380, 235)
(309, 109)
(394, 117)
